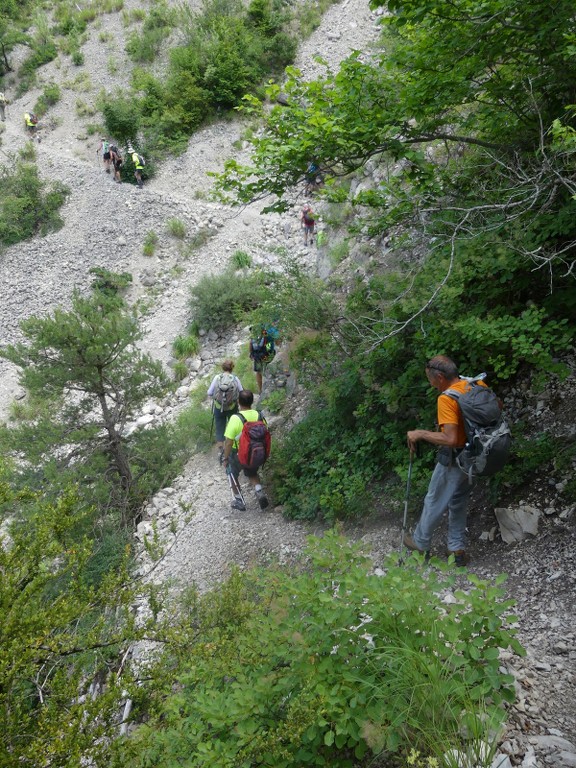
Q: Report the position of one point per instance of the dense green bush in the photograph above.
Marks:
(41, 54)
(51, 94)
(122, 119)
(495, 315)
(28, 206)
(319, 667)
(218, 301)
(143, 45)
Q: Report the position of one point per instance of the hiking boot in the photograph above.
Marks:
(461, 559)
(238, 504)
(262, 499)
(409, 543)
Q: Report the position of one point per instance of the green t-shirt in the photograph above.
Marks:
(235, 425)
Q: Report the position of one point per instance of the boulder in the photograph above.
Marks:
(516, 524)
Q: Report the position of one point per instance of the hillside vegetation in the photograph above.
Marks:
(466, 123)
(447, 159)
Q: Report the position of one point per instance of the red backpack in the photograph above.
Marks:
(254, 443)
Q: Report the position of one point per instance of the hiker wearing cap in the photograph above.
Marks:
(233, 437)
(224, 391)
(104, 147)
(138, 161)
(449, 488)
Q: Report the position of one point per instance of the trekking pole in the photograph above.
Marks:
(234, 486)
(406, 498)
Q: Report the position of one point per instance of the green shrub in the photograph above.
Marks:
(180, 370)
(77, 58)
(186, 346)
(50, 96)
(150, 243)
(83, 109)
(109, 282)
(241, 260)
(274, 402)
(121, 118)
(319, 666)
(28, 206)
(309, 18)
(144, 45)
(219, 301)
(41, 54)
(176, 228)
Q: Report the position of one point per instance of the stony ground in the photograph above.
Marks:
(105, 225)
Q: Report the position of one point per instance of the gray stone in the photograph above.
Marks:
(553, 742)
(516, 524)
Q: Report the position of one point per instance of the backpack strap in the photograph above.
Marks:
(473, 379)
(244, 420)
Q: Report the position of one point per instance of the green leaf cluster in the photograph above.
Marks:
(329, 665)
(219, 301)
(28, 205)
(59, 632)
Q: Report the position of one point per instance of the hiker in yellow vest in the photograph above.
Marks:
(138, 161)
(30, 121)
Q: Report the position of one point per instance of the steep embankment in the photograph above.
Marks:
(105, 225)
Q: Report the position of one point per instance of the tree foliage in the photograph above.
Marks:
(86, 364)
(60, 636)
(488, 77)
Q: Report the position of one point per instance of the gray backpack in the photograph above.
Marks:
(487, 432)
(226, 391)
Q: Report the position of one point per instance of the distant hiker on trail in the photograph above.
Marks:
(3, 103)
(308, 224)
(246, 448)
(30, 121)
(313, 178)
(262, 349)
(139, 164)
(449, 488)
(117, 161)
(224, 391)
(104, 147)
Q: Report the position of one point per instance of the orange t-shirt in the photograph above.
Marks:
(449, 411)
